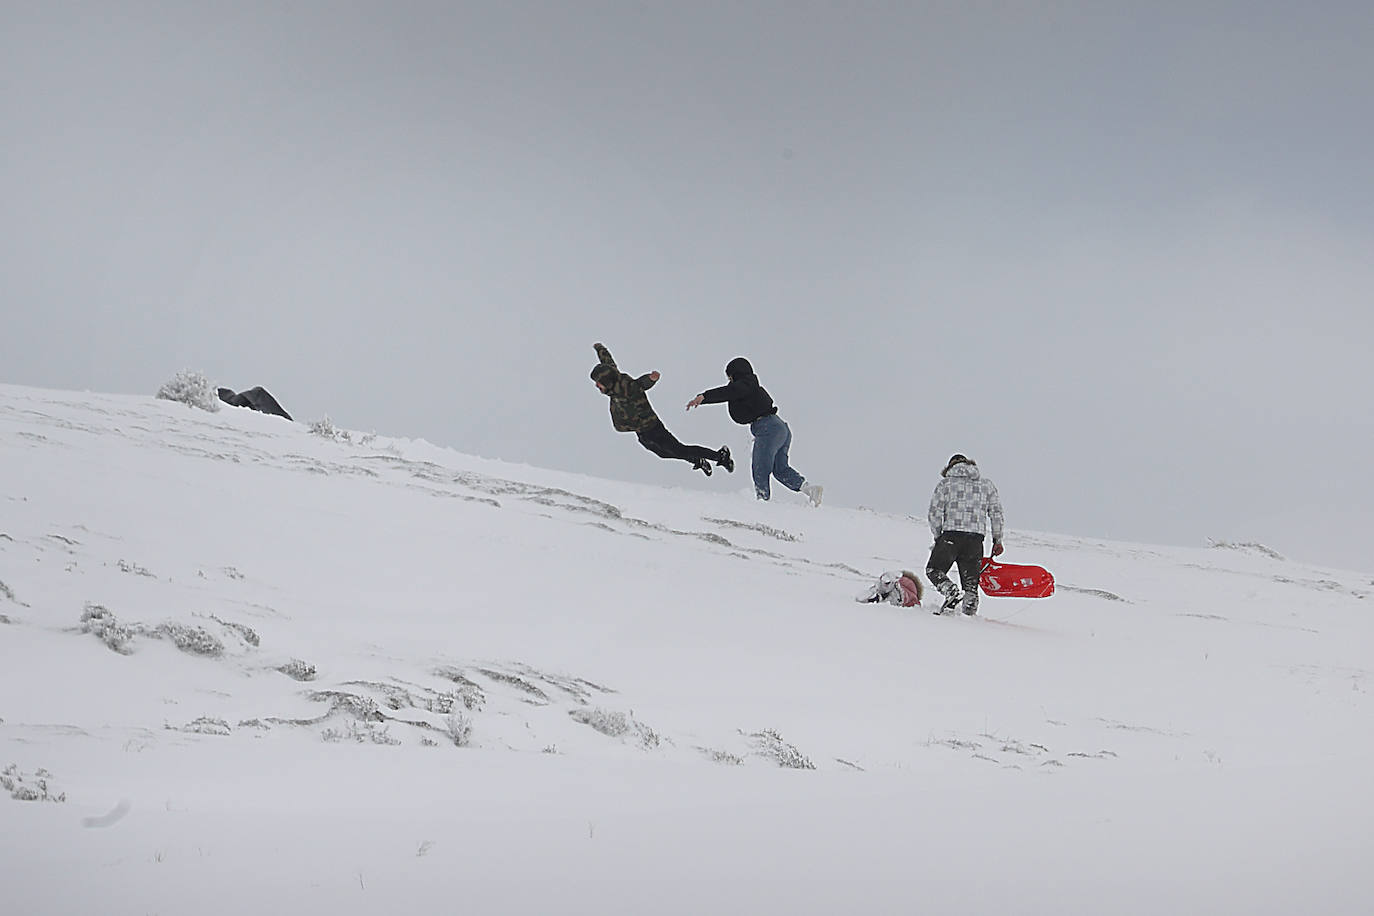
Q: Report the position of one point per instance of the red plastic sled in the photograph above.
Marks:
(1005, 580)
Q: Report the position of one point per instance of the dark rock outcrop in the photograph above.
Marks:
(258, 399)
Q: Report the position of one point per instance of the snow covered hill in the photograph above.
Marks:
(248, 667)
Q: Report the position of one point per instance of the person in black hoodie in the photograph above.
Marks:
(750, 405)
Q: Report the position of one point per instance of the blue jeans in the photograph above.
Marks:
(772, 439)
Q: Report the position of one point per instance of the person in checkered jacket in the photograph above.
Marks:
(962, 506)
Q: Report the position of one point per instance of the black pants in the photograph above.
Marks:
(964, 548)
(664, 444)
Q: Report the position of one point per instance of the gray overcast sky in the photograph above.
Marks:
(1118, 253)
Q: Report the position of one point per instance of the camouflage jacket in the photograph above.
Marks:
(630, 407)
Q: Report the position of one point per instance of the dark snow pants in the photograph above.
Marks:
(964, 548)
(664, 444)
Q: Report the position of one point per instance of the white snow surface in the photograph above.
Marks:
(672, 702)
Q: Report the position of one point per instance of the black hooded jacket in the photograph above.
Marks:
(747, 398)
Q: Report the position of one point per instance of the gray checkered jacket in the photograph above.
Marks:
(963, 500)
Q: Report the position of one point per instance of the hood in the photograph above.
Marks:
(739, 369)
(605, 375)
(963, 469)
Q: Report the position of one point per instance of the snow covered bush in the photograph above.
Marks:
(13, 781)
(723, 757)
(195, 640)
(616, 725)
(611, 724)
(242, 630)
(469, 692)
(772, 745)
(192, 389)
(101, 623)
(459, 728)
(1246, 545)
(325, 429)
(647, 737)
(298, 670)
(206, 725)
(126, 566)
(361, 733)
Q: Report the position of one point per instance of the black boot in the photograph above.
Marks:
(725, 460)
(703, 466)
(952, 599)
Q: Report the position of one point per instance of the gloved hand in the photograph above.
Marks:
(997, 548)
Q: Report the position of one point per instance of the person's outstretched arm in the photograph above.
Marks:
(647, 380)
(712, 396)
(605, 356)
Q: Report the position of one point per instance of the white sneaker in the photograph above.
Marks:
(813, 492)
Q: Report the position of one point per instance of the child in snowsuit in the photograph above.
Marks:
(898, 586)
(962, 500)
(751, 406)
(631, 412)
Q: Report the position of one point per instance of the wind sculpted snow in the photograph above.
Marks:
(365, 674)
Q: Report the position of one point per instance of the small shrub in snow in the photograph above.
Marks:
(102, 624)
(519, 683)
(474, 699)
(298, 670)
(617, 725)
(722, 757)
(206, 725)
(760, 528)
(245, 632)
(28, 788)
(192, 389)
(771, 745)
(611, 724)
(441, 703)
(469, 691)
(459, 728)
(195, 640)
(362, 708)
(647, 737)
(361, 733)
(1246, 545)
(325, 429)
(126, 566)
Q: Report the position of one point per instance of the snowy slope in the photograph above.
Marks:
(669, 701)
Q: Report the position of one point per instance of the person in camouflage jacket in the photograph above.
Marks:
(962, 502)
(631, 412)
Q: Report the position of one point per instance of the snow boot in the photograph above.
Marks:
(703, 466)
(725, 460)
(952, 596)
(970, 603)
